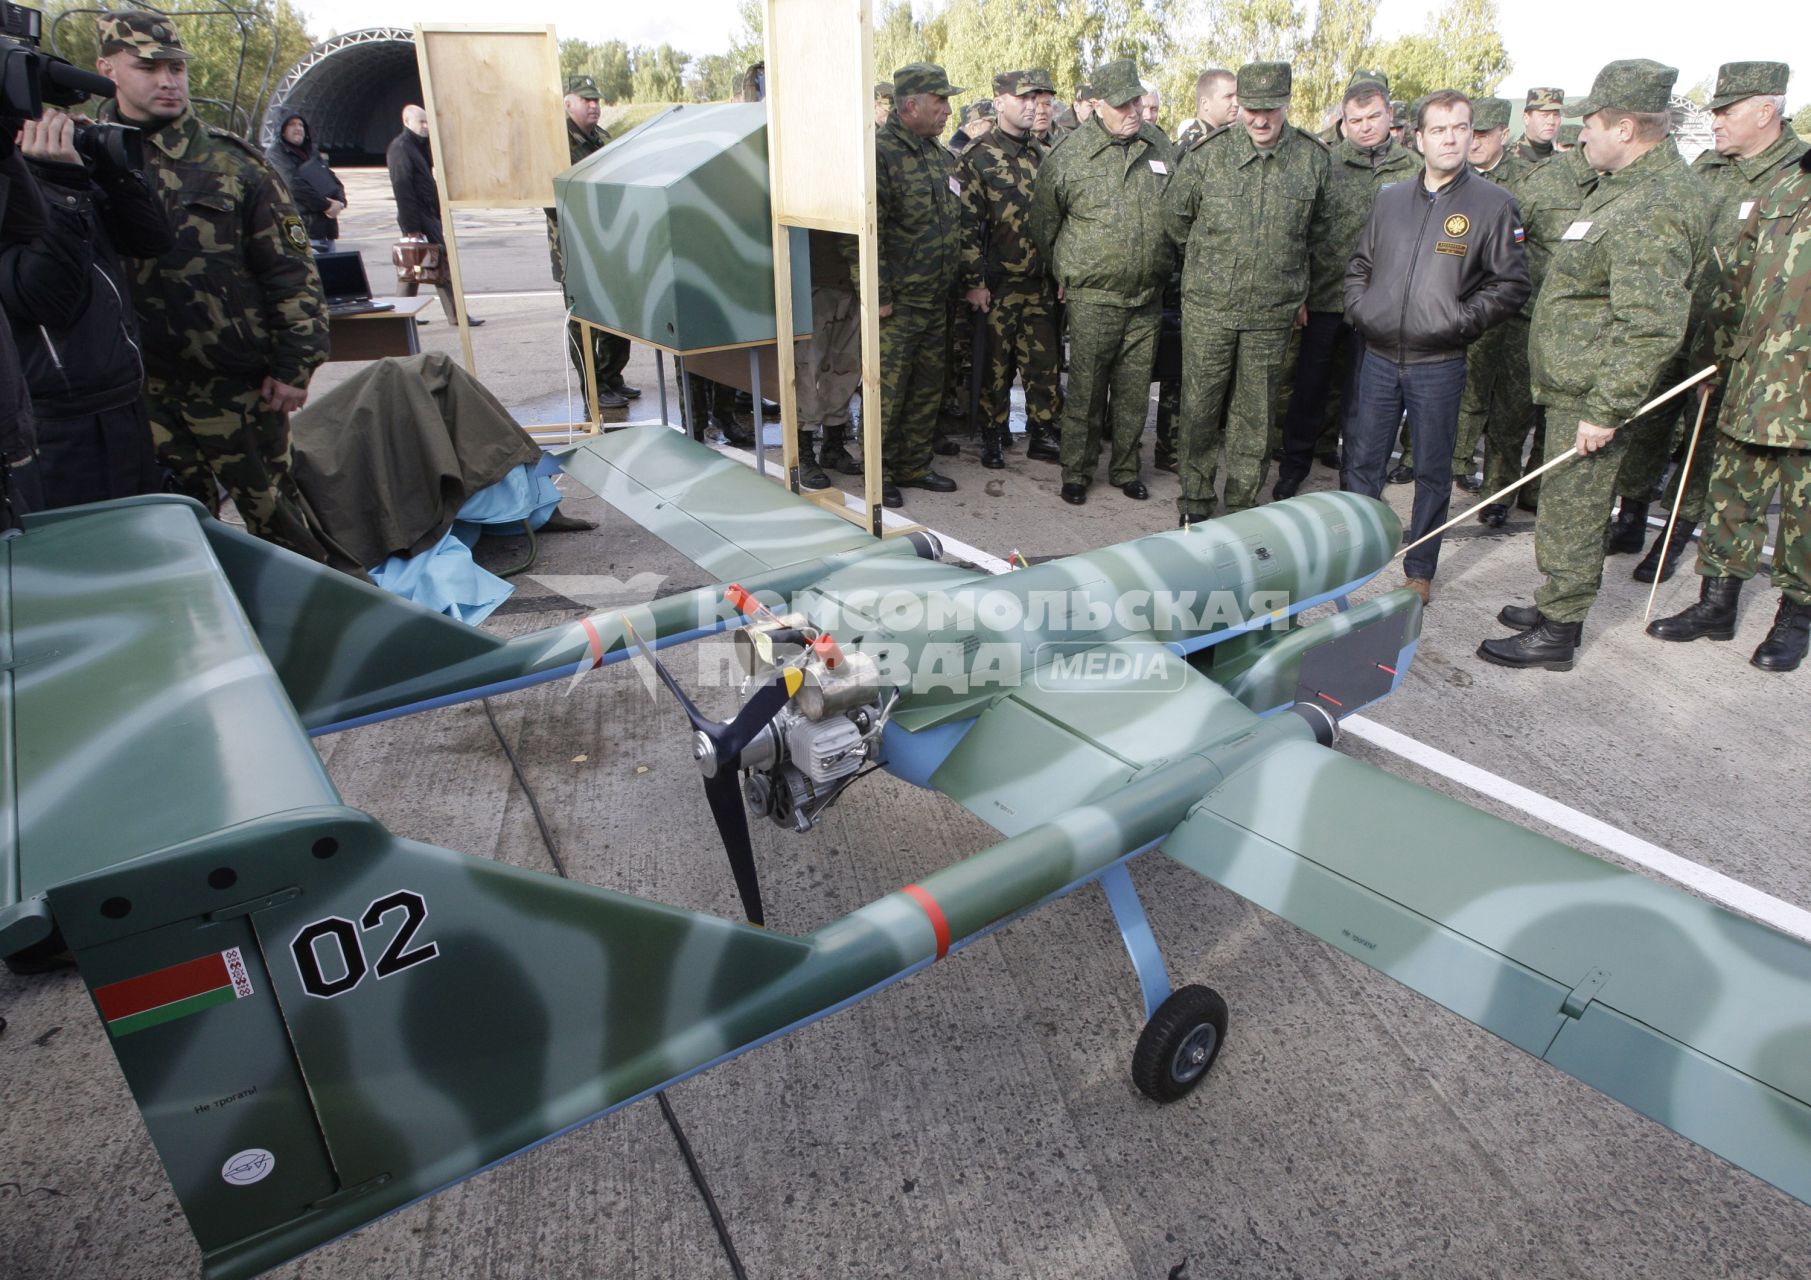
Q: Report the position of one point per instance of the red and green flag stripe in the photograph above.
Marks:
(173, 992)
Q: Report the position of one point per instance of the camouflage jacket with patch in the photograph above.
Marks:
(1550, 195)
(1733, 186)
(238, 295)
(1616, 303)
(1354, 179)
(1097, 215)
(919, 218)
(999, 177)
(1509, 170)
(1246, 222)
(1763, 304)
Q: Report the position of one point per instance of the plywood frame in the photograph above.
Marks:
(820, 157)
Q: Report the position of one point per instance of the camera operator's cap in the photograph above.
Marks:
(584, 87)
(1371, 76)
(1265, 86)
(1633, 84)
(1489, 113)
(1738, 80)
(1117, 83)
(140, 34)
(1545, 100)
(923, 77)
(1021, 83)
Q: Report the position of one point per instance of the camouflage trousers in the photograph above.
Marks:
(218, 435)
(830, 375)
(707, 401)
(1653, 450)
(1022, 341)
(960, 368)
(913, 354)
(609, 354)
(1111, 353)
(1569, 532)
(1743, 478)
(1498, 405)
(1230, 379)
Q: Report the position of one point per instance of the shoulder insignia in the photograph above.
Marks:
(295, 233)
(1315, 138)
(223, 135)
(1204, 137)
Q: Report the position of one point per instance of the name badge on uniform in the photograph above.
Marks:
(1576, 231)
(955, 187)
(1746, 209)
(1158, 166)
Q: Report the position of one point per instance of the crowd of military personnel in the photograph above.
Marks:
(1073, 250)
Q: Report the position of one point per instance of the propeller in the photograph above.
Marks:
(717, 747)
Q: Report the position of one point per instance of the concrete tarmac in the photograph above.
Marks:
(979, 1120)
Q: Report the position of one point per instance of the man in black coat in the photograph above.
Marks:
(318, 193)
(410, 159)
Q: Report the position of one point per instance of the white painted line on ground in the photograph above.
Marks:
(531, 293)
(1730, 892)
(1712, 884)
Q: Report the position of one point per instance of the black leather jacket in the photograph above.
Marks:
(411, 163)
(1434, 270)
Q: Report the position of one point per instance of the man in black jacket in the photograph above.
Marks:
(410, 159)
(69, 301)
(1440, 262)
(316, 189)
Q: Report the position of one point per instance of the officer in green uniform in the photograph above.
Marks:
(919, 218)
(1613, 311)
(609, 352)
(883, 102)
(1003, 273)
(1760, 318)
(1246, 205)
(1550, 195)
(1541, 114)
(1496, 382)
(231, 317)
(1097, 219)
(1755, 143)
(967, 324)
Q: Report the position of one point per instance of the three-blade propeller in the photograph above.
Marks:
(717, 747)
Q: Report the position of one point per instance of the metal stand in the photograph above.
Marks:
(1135, 932)
(660, 377)
(685, 395)
(754, 379)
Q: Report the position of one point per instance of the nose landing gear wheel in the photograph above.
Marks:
(1179, 1043)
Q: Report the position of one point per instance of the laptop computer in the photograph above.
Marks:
(344, 282)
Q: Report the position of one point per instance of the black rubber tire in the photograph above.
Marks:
(1179, 1044)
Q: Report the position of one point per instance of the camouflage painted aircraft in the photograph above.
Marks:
(290, 989)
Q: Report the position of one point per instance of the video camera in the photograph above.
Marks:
(31, 78)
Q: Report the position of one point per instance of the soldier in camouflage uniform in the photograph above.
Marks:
(919, 216)
(1613, 311)
(1246, 205)
(967, 326)
(1364, 161)
(1760, 318)
(1541, 113)
(883, 103)
(609, 352)
(1097, 220)
(1496, 365)
(827, 379)
(1550, 195)
(1754, 145)
(232, 317)
(1003, 272)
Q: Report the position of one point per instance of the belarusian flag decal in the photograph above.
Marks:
(175, 992)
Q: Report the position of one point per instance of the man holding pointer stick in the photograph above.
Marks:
(1610, 318)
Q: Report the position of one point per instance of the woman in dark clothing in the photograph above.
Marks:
(318, 194)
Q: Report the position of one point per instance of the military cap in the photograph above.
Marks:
(584, 87)
(1568, 134)
(884, 89)
(1632, 84)
(982, 110)
(1020, 83)
(1545, 100)
(1489, 113)
(1365, 75)
(1738, 80)
(141, 34)
(923, 77)
(1571, 110)
(1399, 114)
(1083, 91)
(1116, 83)
(1265, 86)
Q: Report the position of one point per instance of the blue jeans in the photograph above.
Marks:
(1431, 394)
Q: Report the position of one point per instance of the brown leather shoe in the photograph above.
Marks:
(1421, 587)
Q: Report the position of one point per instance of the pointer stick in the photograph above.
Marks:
(1651, 405)
(1685, 471)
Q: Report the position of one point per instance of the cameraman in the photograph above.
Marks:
(21, 219)
(69, 302)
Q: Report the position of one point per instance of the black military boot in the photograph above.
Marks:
(1493, 514)
(992, 456)
(1042, 447)
(1712, 618)
(1519, 617)
(1663, 556)
(1553, 645)
(1629, 531)
(1784, 647)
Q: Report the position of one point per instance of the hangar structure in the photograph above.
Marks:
(351, 89)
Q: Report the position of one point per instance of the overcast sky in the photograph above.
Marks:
(1551, 44)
